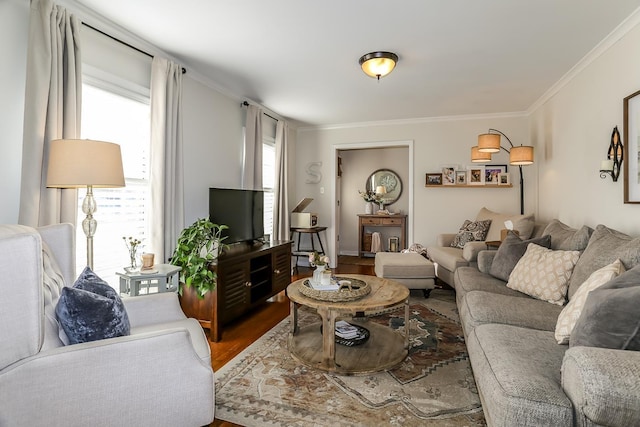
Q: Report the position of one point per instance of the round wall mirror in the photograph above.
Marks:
(387, 179)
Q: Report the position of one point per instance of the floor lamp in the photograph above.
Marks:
(75, 163)
(489, 143)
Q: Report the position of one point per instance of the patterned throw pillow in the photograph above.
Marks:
(570, 314)
(471, 231)
(543, 273)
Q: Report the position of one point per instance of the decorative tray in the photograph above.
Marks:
(350, 289)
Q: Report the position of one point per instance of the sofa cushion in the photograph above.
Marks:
(91, 310)
(605, 246)
(479, 307)
(447, 257)
(510, 252)
(565, 238)
(403, 265)
(517, 371)
(543, 273)
(610, 317)
(523, 223)
(469, 279)
(571, 312)
(471, 231)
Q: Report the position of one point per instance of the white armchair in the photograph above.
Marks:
(159, 375)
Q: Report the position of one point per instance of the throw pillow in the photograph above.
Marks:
(523, 223)
(91, 310)
(571, 312)
(605, 246)
(471, 231)
(509, 253)
(565, 238)
(543, 273)
(610, 317)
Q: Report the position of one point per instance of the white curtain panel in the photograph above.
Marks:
(52, 111)
(252, 164)
(281, 200)
(167, 173)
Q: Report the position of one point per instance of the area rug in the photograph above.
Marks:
(265, 386)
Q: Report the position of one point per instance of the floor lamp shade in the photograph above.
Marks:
(489, 143)
(75, 163)
(521, 156)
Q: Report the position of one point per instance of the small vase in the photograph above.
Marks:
(368, 208)
(317, 274)
(133, 263)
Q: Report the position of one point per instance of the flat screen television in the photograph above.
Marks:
(240, 210)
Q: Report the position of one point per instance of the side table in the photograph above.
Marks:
(311, 231)
(164, 278)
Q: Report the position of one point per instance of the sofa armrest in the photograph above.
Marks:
(137, 380)
(485, 259)
(602, 385)
(471, 250)
(152, 309)
(445, 239)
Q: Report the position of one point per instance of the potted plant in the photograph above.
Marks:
(197, 248)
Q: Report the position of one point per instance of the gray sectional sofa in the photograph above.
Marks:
(524, 377)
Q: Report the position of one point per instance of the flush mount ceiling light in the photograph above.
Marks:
(378, 64)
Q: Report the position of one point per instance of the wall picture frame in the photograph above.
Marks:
(504, 178)
(631, 142)
(492, 173)
(461, 177)
(475, 175)
(449, 174)
(434, 179)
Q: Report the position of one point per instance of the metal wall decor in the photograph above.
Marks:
(615, 155)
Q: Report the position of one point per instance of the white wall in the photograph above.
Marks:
(14, 29)
(212, 145)
(436, 142)
(572, 131)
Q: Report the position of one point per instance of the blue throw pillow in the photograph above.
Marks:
(91, 310)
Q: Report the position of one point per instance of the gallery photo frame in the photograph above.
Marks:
(475, 175)
(504, 178)
(449, 174)
(434, 179)
(461, 177)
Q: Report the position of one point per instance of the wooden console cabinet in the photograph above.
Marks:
(373, 221)
(246, 278)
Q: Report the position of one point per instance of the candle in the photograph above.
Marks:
(147, 261)
(606, 165)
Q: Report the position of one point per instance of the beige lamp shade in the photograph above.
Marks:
(381, 189)
(378, 64)
(77, 163)
(489, 143)
(521, 156)
(478, 156)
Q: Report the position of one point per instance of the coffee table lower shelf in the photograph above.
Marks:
(383, 350)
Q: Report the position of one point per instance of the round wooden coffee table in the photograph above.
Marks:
(314, 345)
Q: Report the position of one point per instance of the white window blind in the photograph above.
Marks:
(115, 115)
(268, 181)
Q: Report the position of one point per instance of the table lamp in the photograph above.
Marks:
(75, 163)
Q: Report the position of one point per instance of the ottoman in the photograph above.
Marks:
(411, 269)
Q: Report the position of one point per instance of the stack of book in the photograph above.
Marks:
(346, 330)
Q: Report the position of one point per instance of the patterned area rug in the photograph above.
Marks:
(264, 386)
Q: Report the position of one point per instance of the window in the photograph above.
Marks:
(268, 180)
(114, 114)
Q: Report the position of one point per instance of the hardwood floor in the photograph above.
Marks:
(242, 333)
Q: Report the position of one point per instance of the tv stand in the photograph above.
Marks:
(248, 275)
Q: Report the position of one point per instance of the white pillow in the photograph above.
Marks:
(543, 273)
(570, 314)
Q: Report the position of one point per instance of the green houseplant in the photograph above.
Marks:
(197, 247)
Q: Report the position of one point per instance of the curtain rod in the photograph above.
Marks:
(123, 42)
(246, 104)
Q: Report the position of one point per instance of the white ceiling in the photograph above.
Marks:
(300, 58)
